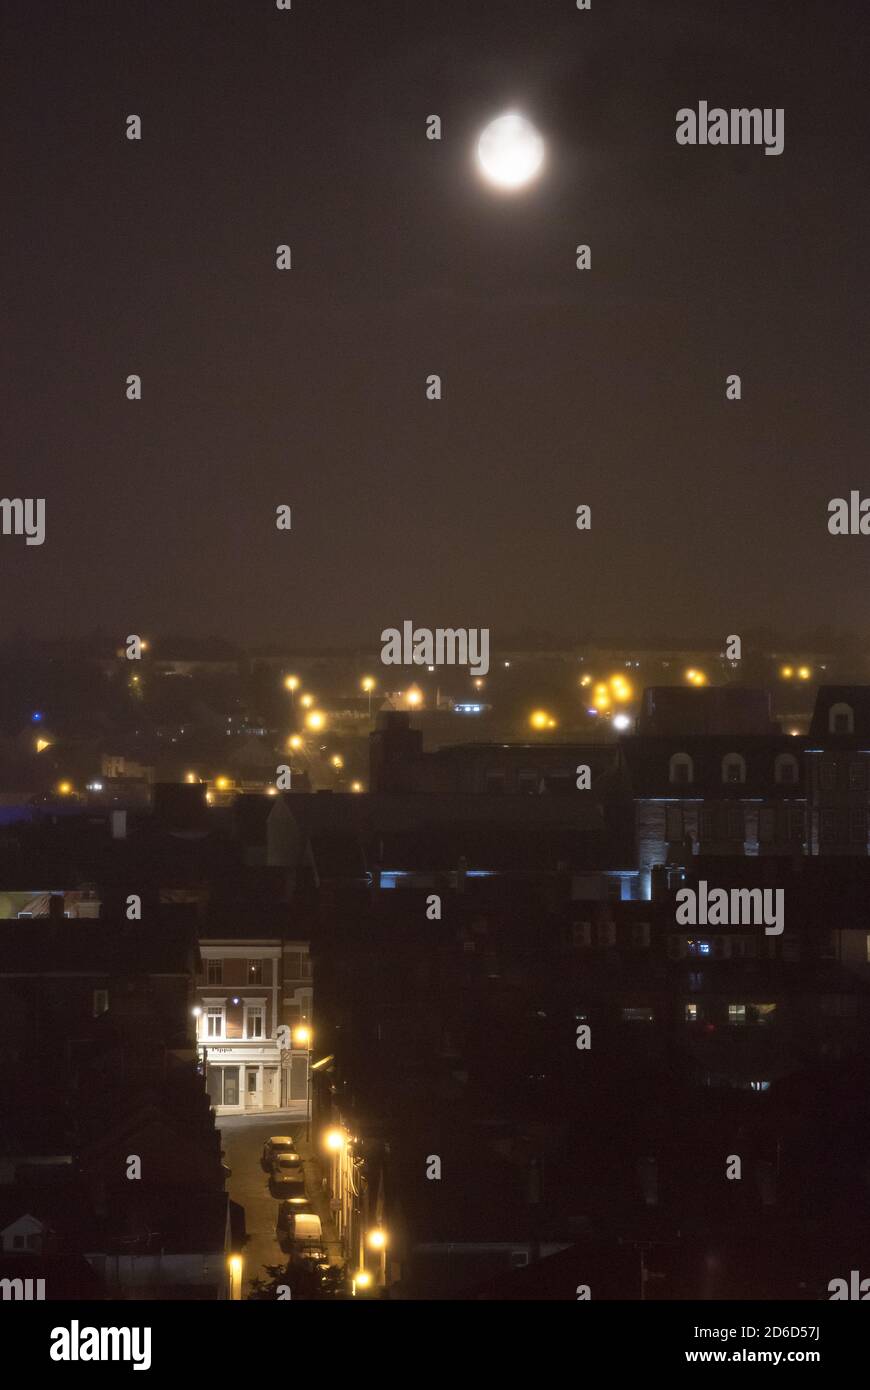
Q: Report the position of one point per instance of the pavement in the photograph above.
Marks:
(242, 1139)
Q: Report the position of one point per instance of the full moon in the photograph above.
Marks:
(510, 151)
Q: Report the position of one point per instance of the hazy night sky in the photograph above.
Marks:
(308, 388)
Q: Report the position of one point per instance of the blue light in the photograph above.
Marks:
(35, 717)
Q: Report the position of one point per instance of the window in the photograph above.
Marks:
(706, 824)
(785, 768)
(736, 826)
(638, 1016)
(766, 824)
(254, 1020)
(581, 934)
(494, 783)
(214, 1021)
(760, 1013)
(680, 768)
(222, 1084)
(743, 947)
(214, 972)
(841, 719)
(858, 827)
(760, 1085)
(796, 823)
(101, 1002)
(828, 774)
(251, 1080)
(673, 824)
(297, 965)
(255, 972)
(691, 1013)
(733, 768)
(527, 783)
(696, 979)
(737, 1014)
(697, 948)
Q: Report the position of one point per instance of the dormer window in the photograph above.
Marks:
(841, 719)
(733, 768)
(681, 769)
(785, 769)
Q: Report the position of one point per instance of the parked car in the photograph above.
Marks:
(306, 1232)
(287, 1209)
(287, 1178)
(278, 1144)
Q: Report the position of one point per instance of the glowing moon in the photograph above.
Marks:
(510, 151)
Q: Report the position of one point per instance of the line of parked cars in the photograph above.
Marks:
(298, 1229)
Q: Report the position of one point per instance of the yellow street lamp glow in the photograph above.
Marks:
(334, 1140)
(585, 680)
(356, 786)
(302, 1036)
(65, 788)
(368, 683)
(42, 744)
(315, 719)
(786, 672)
(271, 791)
(236, 1264)
(414, 696)
(804, 672)
(478, 683)
(295, 741)
(306, 700)
(362, 1279)
(222, 783)
(337, 760)
(539, 719)
(190, 777)
(551, 723)
(291, 682)
(700, 678)
(377, 1239)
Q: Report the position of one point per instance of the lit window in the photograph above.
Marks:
(214, 972)
(254, 1021)
(214, 1021)
(697, 948)
(255, 972)
(638, 1016)
(691, 1013)
(737, 1013)
(101, 1002)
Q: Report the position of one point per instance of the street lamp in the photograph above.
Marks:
(315, 720)
(377, 1240)
(302, 1036)
(235, 1263)
(368, 685)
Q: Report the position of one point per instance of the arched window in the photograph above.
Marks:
(841, 719)
(733, 768)
(681, 769)
(785, 768)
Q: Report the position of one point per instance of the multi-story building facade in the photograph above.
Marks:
(248, 987)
